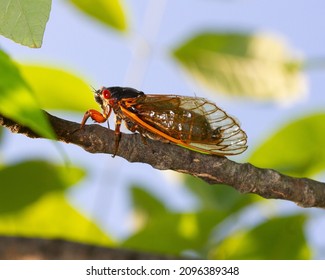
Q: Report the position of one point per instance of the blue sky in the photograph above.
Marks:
(104, 57)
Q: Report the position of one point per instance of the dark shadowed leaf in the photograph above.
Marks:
(258, 66)
(24, 21)
(17, 101)
(110, 12)
(296, 149)
(280, 238)
(26, 182)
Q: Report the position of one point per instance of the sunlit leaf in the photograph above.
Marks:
(24, 21)
(278, 238)
(258, 66)
(296, 149)
(53, 217)
(110, 12)
(17, 101)
(58, 89)
(26, 182)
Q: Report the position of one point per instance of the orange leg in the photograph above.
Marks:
(117, 134)
(94, 115)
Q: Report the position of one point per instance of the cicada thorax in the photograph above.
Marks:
(130, 105)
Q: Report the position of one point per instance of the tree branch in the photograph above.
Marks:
(245, 177)
(21, 248)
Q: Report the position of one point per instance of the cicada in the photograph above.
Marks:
(191, 122)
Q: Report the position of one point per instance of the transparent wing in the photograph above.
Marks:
(191, 122)
(226, 138)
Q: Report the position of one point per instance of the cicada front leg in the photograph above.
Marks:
(95, 116)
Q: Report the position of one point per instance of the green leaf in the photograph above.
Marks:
(166, 232)
(280, 238)
(146, 203)
(221, 198)
(1, 134)
(17, 101)
(53, 217)
(26, 182)
(257, 66)
(57, 89)
(173, 233)
(24, 21)
(296, 149)
(110, 12)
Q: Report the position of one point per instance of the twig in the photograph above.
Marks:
(245, 177)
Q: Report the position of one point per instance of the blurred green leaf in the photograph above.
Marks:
(280, 238)
(57, 89)
(166, 232)
(160, 235)
(146, 203)
(53, 217)
(296, 149)
(26, 182)
(173, 233)
(110, 12)
(220, 198)
(24, 21)
(258, 66)
(1, 133)
(17, 101)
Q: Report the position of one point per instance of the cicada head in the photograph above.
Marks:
(108, 96)
(103, 97)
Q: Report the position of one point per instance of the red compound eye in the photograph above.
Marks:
(106, 93)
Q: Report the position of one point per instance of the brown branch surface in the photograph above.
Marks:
(244, 177)
(20, 248)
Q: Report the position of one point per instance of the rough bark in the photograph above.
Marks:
(244, 177)
(20, 248)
